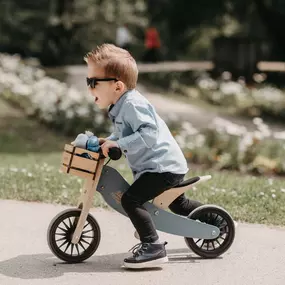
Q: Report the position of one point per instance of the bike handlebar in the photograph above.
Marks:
(115, 153)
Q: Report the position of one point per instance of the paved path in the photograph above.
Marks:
(256, 257)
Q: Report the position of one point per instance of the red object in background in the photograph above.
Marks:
(152, 39)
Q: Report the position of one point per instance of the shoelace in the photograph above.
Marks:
(139, 248)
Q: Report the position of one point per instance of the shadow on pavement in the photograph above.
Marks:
(43, 266)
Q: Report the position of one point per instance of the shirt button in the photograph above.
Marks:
(125, 151)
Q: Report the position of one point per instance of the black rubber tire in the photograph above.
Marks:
(206, 213)
(67, 236)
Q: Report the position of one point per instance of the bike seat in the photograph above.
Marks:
(165, 199)
(188, 182)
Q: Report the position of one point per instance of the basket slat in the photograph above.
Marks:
(84, 163)
(79, 173)
(95, 155)
(66, 158)
(69, 147)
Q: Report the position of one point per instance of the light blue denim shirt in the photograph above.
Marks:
(144, 137)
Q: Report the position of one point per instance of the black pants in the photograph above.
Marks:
(147, 187)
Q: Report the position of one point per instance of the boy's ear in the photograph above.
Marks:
(119, 86)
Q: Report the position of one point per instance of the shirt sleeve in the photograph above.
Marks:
(112, 137)
(143, 124)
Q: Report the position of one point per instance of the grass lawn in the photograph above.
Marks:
(30, 158)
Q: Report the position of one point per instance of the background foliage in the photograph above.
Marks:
(61, 31)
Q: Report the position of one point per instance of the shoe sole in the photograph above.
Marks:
(151, 263)
(136, 235)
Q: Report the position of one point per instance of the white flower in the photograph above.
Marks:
(279, 135)
(39, 73)
(99, 119)
(257, 121)
(200, 140)
(226, 75)
(259, 77)
(13, 169)
(22, 89)
(180, 140)
(225, 126)
(190, 130)
(268, 94)
(11, 63)
(82, 111)
(265, 131)
(69, 114)
(258, 135)
(229, 88)
(190, 145)
(207, 83)
(216, 96)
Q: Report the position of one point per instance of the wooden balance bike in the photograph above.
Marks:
(74, 234)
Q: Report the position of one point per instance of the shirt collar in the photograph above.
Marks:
(114, 109)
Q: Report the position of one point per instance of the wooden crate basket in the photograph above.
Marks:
(77, 165)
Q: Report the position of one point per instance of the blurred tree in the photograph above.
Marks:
(181, 21)
(58, 30)
(21, 26)
(272, 14)
(61, 31)
(99, 20)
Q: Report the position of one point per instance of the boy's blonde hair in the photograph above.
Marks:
(116, 62)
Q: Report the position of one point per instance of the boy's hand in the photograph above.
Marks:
(107, 145)
(101, 140)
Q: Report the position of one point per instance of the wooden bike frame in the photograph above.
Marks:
(91, 170)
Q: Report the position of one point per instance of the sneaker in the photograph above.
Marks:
(147, 255)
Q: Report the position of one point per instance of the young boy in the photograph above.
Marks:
(153, 155)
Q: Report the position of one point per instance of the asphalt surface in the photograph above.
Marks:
(256, 257)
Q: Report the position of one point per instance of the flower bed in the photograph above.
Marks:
(49, 100)
(225, 145)
(260, 100)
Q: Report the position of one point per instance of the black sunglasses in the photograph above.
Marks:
(92, 82)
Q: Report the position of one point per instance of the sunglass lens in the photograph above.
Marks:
(91, 82)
